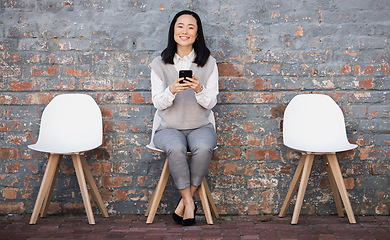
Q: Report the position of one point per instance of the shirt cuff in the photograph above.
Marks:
(169, 93)
(201, 92)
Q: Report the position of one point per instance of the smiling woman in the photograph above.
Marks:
(186, 31)
(184, 106)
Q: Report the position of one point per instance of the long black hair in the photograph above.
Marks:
(202, 52)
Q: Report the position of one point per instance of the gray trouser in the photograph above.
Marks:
(175, 143)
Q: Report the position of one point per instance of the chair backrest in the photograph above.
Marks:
(156, 124)
(315, 123)
(70, 123)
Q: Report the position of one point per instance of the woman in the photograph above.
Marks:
(184, 106)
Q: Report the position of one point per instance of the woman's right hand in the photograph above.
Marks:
(177, 87)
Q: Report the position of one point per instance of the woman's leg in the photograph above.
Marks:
(174, 144)
(201, 142)
(181, 206)
(187, 204)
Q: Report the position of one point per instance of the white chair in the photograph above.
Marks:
(314, 125)
(71, 124)
(203, 190)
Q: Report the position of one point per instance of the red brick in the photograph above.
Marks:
(74, 207)
(8, 99)
(116, 126)
(278, 111)
(231, 169)
(54, 208)
(358, 69)
(262, 154)
(5, 128)
(125, 85)
(13, 168)
(100, 168)
(77, 73)
(9, 193)
(366, 84)
(258, 84)
(39, 98)
(349, 182)
(270, 140)
(369, 70)
(227, 154)
(106, 194)
(20, 86)
(253, 140)
(286, 169)
(230, 70)
(345, 69)
(139, 98)
(11, 207)
(102, 153)
(109, 181)
(122, 195)
(385, 69)
(106, 112)
(8, 153)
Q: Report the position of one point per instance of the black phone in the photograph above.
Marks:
(185, 74)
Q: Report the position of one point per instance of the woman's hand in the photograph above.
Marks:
(194, 83)
(177, 87)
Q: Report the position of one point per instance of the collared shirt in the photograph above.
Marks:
(163, 98)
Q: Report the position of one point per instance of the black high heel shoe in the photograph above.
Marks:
(177, 218)
(190, 221)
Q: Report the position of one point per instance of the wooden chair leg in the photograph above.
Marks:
(149, 204)
(83, 187)
(302, 187)
(158, 192)
(91, 181)
(293, 186)
(205, 204)
(45, 185)
(210, 198)
(334, 188)
(50, 193)
(334, 166)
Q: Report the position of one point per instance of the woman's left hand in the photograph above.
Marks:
(194, 83)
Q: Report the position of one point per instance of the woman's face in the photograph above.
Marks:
(186, 30)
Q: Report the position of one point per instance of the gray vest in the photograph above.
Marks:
(185, 112)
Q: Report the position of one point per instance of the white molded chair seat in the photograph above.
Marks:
(314, 125)
(71, 124)
(203, 190)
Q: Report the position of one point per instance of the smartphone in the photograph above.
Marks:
(185, 74)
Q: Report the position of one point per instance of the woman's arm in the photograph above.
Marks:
(207, 98)
(162, 97)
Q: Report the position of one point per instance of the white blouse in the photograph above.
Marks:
(163, 98)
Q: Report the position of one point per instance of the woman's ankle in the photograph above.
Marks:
(180, 208)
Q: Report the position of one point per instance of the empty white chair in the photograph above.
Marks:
(71, 124)
(314, 125)
(203, 190)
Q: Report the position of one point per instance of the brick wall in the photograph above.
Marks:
(267, 52)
